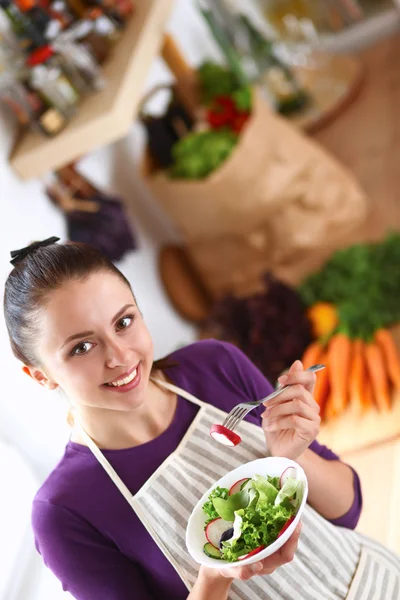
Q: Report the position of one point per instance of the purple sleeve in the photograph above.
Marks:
(257, 386)
(351, 518)
(86, 563)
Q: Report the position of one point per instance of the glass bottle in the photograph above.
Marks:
(278, 80)
(79, 63)
(29, 36)
(48, 77)
(103, 24)
(60, 10)
(43, 21)
(29, 107)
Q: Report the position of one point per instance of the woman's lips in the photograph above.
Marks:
(127, 387)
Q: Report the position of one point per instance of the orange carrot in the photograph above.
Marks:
(391, 355)
(312, 354)
(358, 379)
(339, 355)
(329, 413)
(378, 375)
(322, 386)
(369, 395)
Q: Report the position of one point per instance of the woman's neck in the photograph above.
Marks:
(116, 430)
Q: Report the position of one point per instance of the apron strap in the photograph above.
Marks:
(179, 391)
(106, 465)
(102, 459)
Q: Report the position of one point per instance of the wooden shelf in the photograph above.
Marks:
(107, 115)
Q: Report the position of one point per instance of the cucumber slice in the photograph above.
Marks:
(211, 551)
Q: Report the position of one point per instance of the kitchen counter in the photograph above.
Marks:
(379, 470)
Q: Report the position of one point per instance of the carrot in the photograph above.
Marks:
(369, 395)
(339, 355)
(322, 386)
(358, 381)
(329, 413)
(391, 355)
(378, 375)
(312, 354)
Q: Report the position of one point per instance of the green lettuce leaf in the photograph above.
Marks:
(208, 507)
(266, 490)
(226, 507)
(259, 512)
(288, 490)
(260, 526)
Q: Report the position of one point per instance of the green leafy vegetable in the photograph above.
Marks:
(243, 99)
(198, 154)
(208, 507)
(257, 516)
(363, 282)
(267, 491)
(260, 526)
(226, 507)
(215, 80)
(288, 490)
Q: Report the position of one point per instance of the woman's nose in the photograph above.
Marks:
(116, 354)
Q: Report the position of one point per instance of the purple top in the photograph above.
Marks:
(84, 528)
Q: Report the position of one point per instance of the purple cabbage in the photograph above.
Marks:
(270, 327)
(108, 229)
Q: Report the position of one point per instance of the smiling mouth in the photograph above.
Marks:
(123, 380)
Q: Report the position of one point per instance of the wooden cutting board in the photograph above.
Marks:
(351, 432)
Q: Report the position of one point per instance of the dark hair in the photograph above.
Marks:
(42, 271)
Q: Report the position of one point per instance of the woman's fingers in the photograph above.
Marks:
(296, 391)
(293, 407)
(269, 564)
(305, 428)
(297, 375)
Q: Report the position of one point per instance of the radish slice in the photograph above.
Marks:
(286, 525)
(252, 553)
(289, 472)
(224, 436)
(237, 487)
(215, 529)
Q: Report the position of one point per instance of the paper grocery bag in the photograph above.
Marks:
(278, 187)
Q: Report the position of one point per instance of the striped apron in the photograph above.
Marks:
(331, 563)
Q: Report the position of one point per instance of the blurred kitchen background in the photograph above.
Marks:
(220, 153)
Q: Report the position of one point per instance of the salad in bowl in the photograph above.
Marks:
(248, 514)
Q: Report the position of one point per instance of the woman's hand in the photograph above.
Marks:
(268, 565)
(212, 584)
(291, 421)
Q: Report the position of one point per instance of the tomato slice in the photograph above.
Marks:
(286, 525)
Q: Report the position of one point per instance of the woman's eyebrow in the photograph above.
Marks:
(82, 334)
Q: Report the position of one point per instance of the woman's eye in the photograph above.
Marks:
(82, 348)
(125, 322)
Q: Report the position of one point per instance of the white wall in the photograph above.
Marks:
(31, 419)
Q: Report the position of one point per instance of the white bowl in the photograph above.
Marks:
(195, 536)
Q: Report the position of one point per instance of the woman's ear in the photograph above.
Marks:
(40, 377)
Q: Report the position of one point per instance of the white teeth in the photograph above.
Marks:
(124, 381)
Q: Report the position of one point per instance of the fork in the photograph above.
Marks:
(239, 411)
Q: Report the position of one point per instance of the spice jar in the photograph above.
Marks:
(47, 76)
(79, 63)
(27, 32)
(29, 107)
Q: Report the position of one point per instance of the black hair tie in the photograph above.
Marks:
(18, 255)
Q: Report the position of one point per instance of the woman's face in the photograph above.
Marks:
(94, 344)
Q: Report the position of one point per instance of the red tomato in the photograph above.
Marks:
(286, 525)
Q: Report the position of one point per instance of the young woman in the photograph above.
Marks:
(110, 519)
